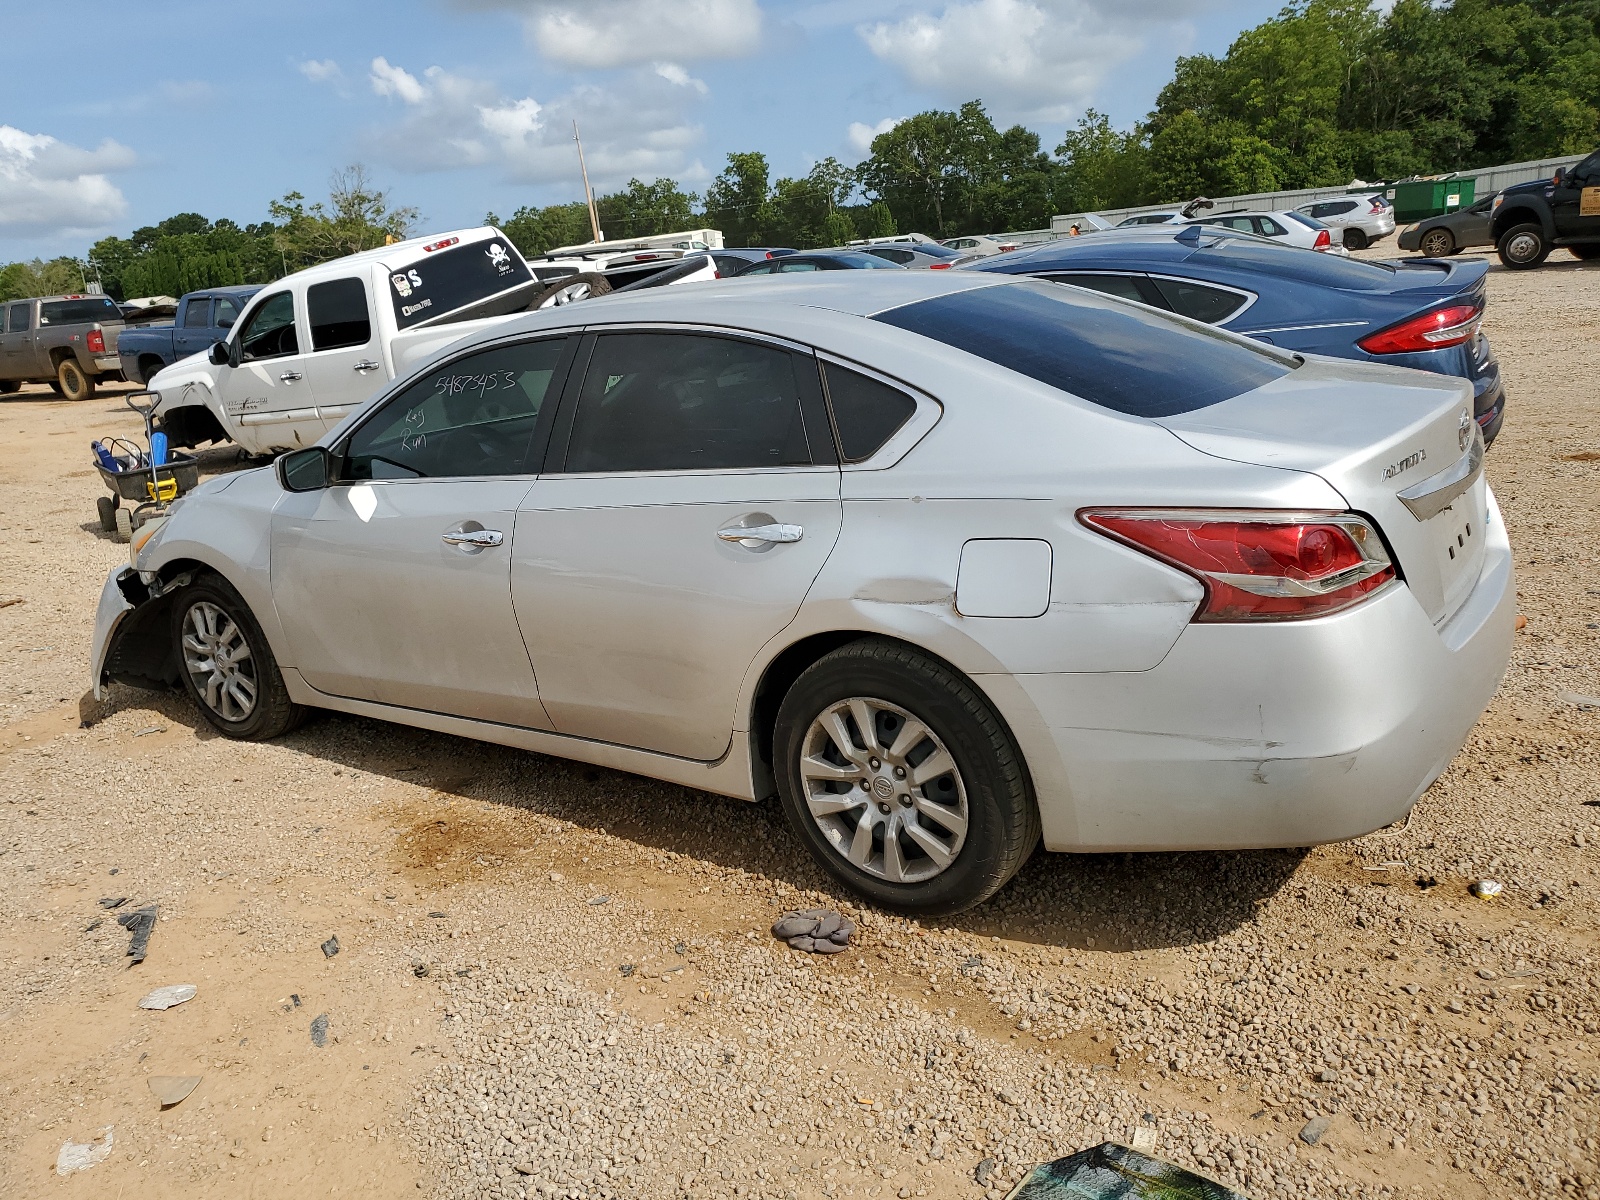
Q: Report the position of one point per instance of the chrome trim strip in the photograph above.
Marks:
(1437, 492)
(1297, 328)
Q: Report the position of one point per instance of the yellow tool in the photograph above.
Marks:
(162, 490)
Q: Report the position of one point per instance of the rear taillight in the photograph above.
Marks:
(939, 266)
(1324, 240)
(96, 342)
(1377, 206)
(1430, 331)
(1258, 565)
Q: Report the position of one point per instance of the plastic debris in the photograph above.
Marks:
(140, 922)
(1486, 889)
(1111, 1171)
(80, 1156)
(94, 924)
(1314, 1129)
(109, 902)
(597, 901)
(421, 970)
(170, 996)
(1144, 1139)
(319, 1030)
(173, 1089)
(330, 947)
(149, 729)
(627, 969)
(815, 930)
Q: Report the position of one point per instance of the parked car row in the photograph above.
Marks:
(68, 342)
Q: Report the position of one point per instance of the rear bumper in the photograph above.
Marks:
(1275, 735)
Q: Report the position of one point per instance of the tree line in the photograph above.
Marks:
(1325, 92)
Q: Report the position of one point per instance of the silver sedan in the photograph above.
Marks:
(951, 564)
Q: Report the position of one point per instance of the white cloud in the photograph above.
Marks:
(396, 81)
(636, 125)
(1042, 60)
(676, 75)
(321, 70)
(48, 186)
(861, 134)
(621, 33)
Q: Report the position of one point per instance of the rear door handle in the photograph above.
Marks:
(760, 535)
(289, 376)
(475, 539)
(365, 365)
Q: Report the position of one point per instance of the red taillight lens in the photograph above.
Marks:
(1431, 331)
(432, 246)
(1258, 565)
(939, 266)
(1324, 240)
(1377, 206)
(96, 342)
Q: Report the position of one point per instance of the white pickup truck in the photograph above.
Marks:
(316, 344)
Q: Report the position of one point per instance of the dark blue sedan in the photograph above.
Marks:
(1421, 313)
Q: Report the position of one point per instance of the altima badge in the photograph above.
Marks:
(1405, 464)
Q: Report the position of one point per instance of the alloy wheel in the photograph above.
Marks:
(1436, 244)
(1524, 247)
(570, 294)
(883, 789)
(218, 659)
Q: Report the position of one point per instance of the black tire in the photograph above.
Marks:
(571, 290)
(1002, 820)
(1437, 243)
(55, 386)
(1355, 239)
(1523, 247)
(1586, 251)
(106, 507)
(7, 386)
(148, 366)
(271, 713)
(76, 383)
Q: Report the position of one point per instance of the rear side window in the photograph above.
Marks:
(866, 412)
(1203, 303)
(686, 402)
(1126, 358)
(338, 313)
(446, 280)
(79, 312)
(473, 416)
(197, 313)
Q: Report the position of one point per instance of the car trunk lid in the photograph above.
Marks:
(1403, 449)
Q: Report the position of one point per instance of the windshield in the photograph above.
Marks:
(1122, 356)
(450, 279)
(80, 311)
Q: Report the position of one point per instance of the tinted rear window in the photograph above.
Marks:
(1285, 262)
(866, 412)
(1123, 357)
(450, 279)
(79, 312)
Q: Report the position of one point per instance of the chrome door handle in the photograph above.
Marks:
(475, 539)
(289, 376)
(761, 533)
(365, 365)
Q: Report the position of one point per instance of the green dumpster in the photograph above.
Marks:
(1429, 197)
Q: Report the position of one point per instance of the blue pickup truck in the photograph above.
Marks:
(202, 318)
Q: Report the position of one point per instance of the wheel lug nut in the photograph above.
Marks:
(905, 799)
(883, 808)
(899, 772)
(875, 763)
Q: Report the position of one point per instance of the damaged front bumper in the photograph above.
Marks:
(132, 632)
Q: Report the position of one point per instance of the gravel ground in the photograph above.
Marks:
(557, 981)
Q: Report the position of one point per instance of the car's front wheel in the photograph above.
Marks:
(1523, 247)
(1437, 243)
(227, 667)
(901, 780)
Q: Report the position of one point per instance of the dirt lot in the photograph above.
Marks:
(556, 981)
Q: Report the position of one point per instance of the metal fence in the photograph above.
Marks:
(1489, 181)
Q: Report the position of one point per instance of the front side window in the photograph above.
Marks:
(1125, 357)
(473, 416)
(686, 402)
(197, 313)
(227, 313)
(338, 314)
(17, 317)
(269, 333)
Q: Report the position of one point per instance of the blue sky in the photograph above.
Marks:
(459, 107)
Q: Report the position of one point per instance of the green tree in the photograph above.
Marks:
(40, 278)
(356, 217)
(1101, 167)
(737, 202)
(537, 231)
(646, 209)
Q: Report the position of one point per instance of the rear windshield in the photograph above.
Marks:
(1124, 357)
(79, 312)
(1326, 270)
(450, 279)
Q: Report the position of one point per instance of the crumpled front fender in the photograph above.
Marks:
(132, 633)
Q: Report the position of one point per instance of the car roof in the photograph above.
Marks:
(230, 289)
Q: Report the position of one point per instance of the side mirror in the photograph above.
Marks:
(1561, 173)
(218, 354)
(308, 470)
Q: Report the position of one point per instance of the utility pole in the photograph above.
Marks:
(594, 217)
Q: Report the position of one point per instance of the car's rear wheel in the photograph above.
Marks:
(148, 366)
(1523, 247)
(1437, 243)
(901, 780)
(227, 667)
(1586, 252)
(7, 386)
(75, 384)
(1355, 239)
(586, 286)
